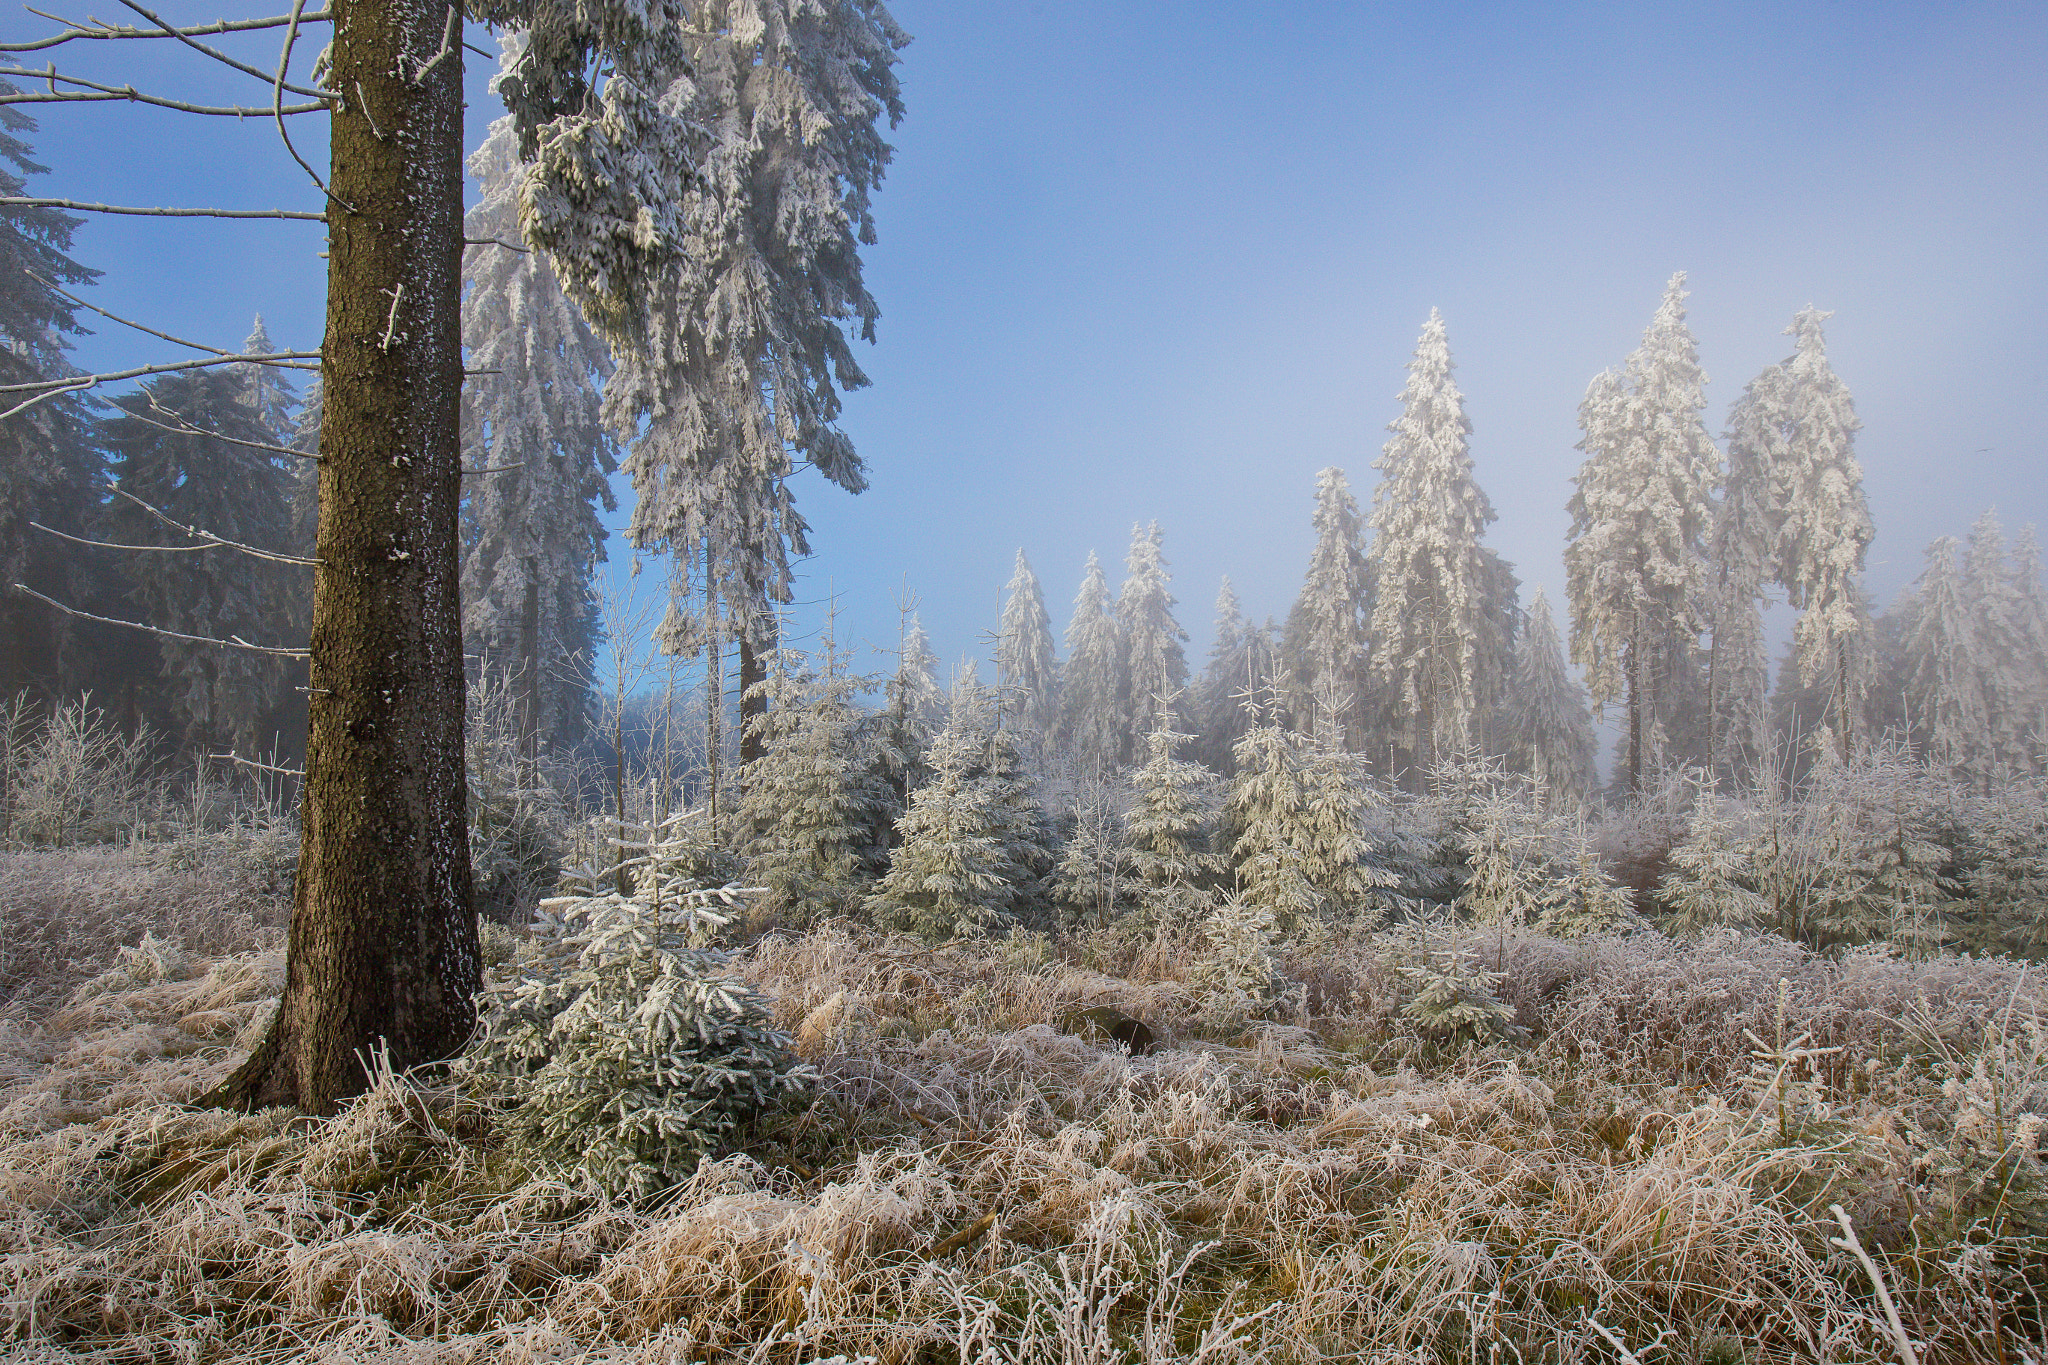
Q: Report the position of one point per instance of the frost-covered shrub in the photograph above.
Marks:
(1454, 1000)
(72, 777)
(624, 1050)
(1235, 966)
(518, 820)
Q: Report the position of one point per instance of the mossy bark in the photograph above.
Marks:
(383, 952)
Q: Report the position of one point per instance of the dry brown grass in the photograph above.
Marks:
(972, 1184)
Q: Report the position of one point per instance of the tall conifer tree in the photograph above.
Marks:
(1155, 668)
(1025, 667)
(1551, 731)
(1635, 562)
(1091, 692)
(1325, 644)
(1944, 665)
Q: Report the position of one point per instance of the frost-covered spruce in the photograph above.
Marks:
(914, 706)
(1635, 563)
(1242, 661)
(1945, 667)
(1295, 821)
(1324, 648)
(1826, 527)
(2003, 655)
(530, 413)
(1095, 880)
(733, 310)
(1708, 884)
(220, 697)
(1550, 730)
(1743, 549)
(1154, 667)
(815, 800)
(623, 1049)
(1440, 629)
(1585, 900)
(966, 861)
(2030, 625)
(1092, 685)
(1026, 670)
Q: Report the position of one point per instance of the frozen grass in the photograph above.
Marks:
(972, 1184)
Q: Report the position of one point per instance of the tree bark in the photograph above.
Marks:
(382, 960)
(753, 704)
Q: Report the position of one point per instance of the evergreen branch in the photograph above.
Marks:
(495, 468)
(91, 91)
(229, 643)
(76, 206)
(284, 360)
(101, 30)
(195, 532)
(220, 56)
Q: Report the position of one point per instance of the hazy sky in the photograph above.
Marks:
(1149, 261)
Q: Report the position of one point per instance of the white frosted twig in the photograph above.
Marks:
(90, 91)
(252, 763)
(447, 45)
(101, 30)
(1628, 1357)
(198, 534)
(230, 643)
(390, 323)
(78, 206)
(219, 56)
(1849, 1242)
(185, 428)
(291, 38)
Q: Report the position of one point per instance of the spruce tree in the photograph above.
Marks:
(1294, 824)
(1091, 691)
(1174, 805)
(1944, 662)
(1827, 524)
(1324, 647)
(1026, 670)
(1550, 729)
(532, 538)
(1439, 646)
(219, 483)
(1154, 668)
(1242, 661)
(1996, 614)
(2030, 625)
(49, 470)
(1635, 563)
(1748, 520)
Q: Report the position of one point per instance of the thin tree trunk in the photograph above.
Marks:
(529, 668)
(382, 959)
(753, 702)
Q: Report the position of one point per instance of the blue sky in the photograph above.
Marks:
(1148, 261)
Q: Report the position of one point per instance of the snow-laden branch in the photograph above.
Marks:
(197, 534)
(89, 91)
(219, 56)
(78, 206)
(232, 642)
(97, 29)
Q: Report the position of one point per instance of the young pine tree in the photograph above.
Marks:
(1324, 648)
(1155, 668)
(1945, 668)
(1996, 611)
(1026, 671)
(1635, 563)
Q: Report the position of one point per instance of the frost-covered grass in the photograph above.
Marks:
(1656, 1161)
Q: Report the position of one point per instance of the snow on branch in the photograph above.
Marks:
(93, 90)
(98, 29)
(15, 202)
(220, 56)
(232, 642)
(198, 534)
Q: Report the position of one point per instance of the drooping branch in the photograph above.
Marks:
(185, 428)
(232, 642)
(277, 109)
(76, 206)
(89, 91)
(99, 30)
(127, 322)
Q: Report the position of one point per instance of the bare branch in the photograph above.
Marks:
(104, 30)
(252, 763)
(77, 206)
(284, 360)
(419, 77)
(47, 394)
(391, 323)
(109, 545)
(284, 61)
(494, 241)
(220, 56)
(495, 468)
(198, 534)
(130, 93)
(125, 322)
(187, 429)
(231, 642)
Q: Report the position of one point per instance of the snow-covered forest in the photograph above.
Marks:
(1435, 965)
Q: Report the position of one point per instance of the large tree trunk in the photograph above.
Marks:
(383, 952)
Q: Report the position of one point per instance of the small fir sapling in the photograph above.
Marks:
(623, 1051)
(1454, 1001)
(1173, 812)
(1324, 646)
(1235, 964)
(1706, 886)
(1295, 818)
(1586, 900)
(1096, 881)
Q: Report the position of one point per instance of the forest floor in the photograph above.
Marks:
(1651, 1174)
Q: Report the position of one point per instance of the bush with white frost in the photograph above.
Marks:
(623, 1050)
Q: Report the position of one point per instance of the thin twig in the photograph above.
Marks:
(187, 429)
(167, 634)
(283, 360)
(104, 30)
(222, 57)
(391, 323)
(1849, 1242)
(266, 767)
(495, 241)
(45, 396)
(495, 468)
(109, 545)
(196, 533)
(125, 322)
(447, 43)
(291, 38)
(16, 202)
(91, 91)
